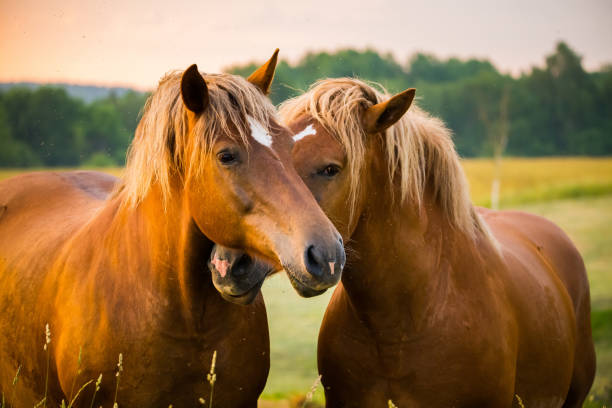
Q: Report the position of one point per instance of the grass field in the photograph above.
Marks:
(539, 179)
(575, 193)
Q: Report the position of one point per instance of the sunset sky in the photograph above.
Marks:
(123, 42)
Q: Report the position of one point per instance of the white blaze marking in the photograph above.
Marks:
(308, 130)
(259, 133)
(331, 267)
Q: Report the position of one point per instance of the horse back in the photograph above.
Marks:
(40, 211)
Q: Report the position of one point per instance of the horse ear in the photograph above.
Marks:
(194, 90)
(379, 117)
(262, 77)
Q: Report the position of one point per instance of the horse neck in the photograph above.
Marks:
(160, 244)
(407, 258)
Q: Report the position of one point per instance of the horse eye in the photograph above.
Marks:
(226, 157)
(329, 171)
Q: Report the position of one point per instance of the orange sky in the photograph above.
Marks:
(135, 42)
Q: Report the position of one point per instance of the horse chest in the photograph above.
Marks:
(360, 362)
(241, 343)
(166, 363)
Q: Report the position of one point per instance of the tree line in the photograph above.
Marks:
(47, 127)
(556, 109)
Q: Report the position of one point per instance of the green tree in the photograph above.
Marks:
(560, 105)
(105, 132)
(428, 68)
(45, 120)
(13, 153)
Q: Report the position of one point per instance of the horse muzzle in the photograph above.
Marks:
(237, 276)
(320, 268)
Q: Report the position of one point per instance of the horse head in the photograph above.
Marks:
(242, 190)
(340, 145)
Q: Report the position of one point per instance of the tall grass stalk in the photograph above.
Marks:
(48, 351)
(212, 378)
(77, 374)
(73, 400)
(118, 376)
(98, 382)
(313, 389)
(15, 380)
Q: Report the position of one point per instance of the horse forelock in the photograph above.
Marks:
(420, 152)
(164, 144)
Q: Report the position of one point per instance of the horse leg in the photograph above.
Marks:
(582, 378)
(584, 360)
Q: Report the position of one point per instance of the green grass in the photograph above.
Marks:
(539, 179)
(294, 324)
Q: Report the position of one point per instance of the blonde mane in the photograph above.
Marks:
(163, 144)
(419, 149)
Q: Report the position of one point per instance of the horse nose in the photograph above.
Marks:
(314, 261)
(322, 266)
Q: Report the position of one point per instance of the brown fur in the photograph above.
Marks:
(441, 304)
(125, 271)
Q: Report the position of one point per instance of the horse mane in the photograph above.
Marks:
(163, 144)
(419, 149)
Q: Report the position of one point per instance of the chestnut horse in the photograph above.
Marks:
(119, 266)
(441, 304)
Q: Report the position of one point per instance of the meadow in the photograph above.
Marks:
(575, 193)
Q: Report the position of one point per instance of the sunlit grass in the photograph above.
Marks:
(539, 179)
(294, 326)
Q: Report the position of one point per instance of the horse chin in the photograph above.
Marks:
(303, 290)
(244, 298)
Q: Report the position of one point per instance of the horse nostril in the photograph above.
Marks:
(315, 263)
(241, 267)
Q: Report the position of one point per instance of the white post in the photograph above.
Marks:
(495, 194)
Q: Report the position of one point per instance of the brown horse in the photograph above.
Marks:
(441, 304)
(120, 266)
